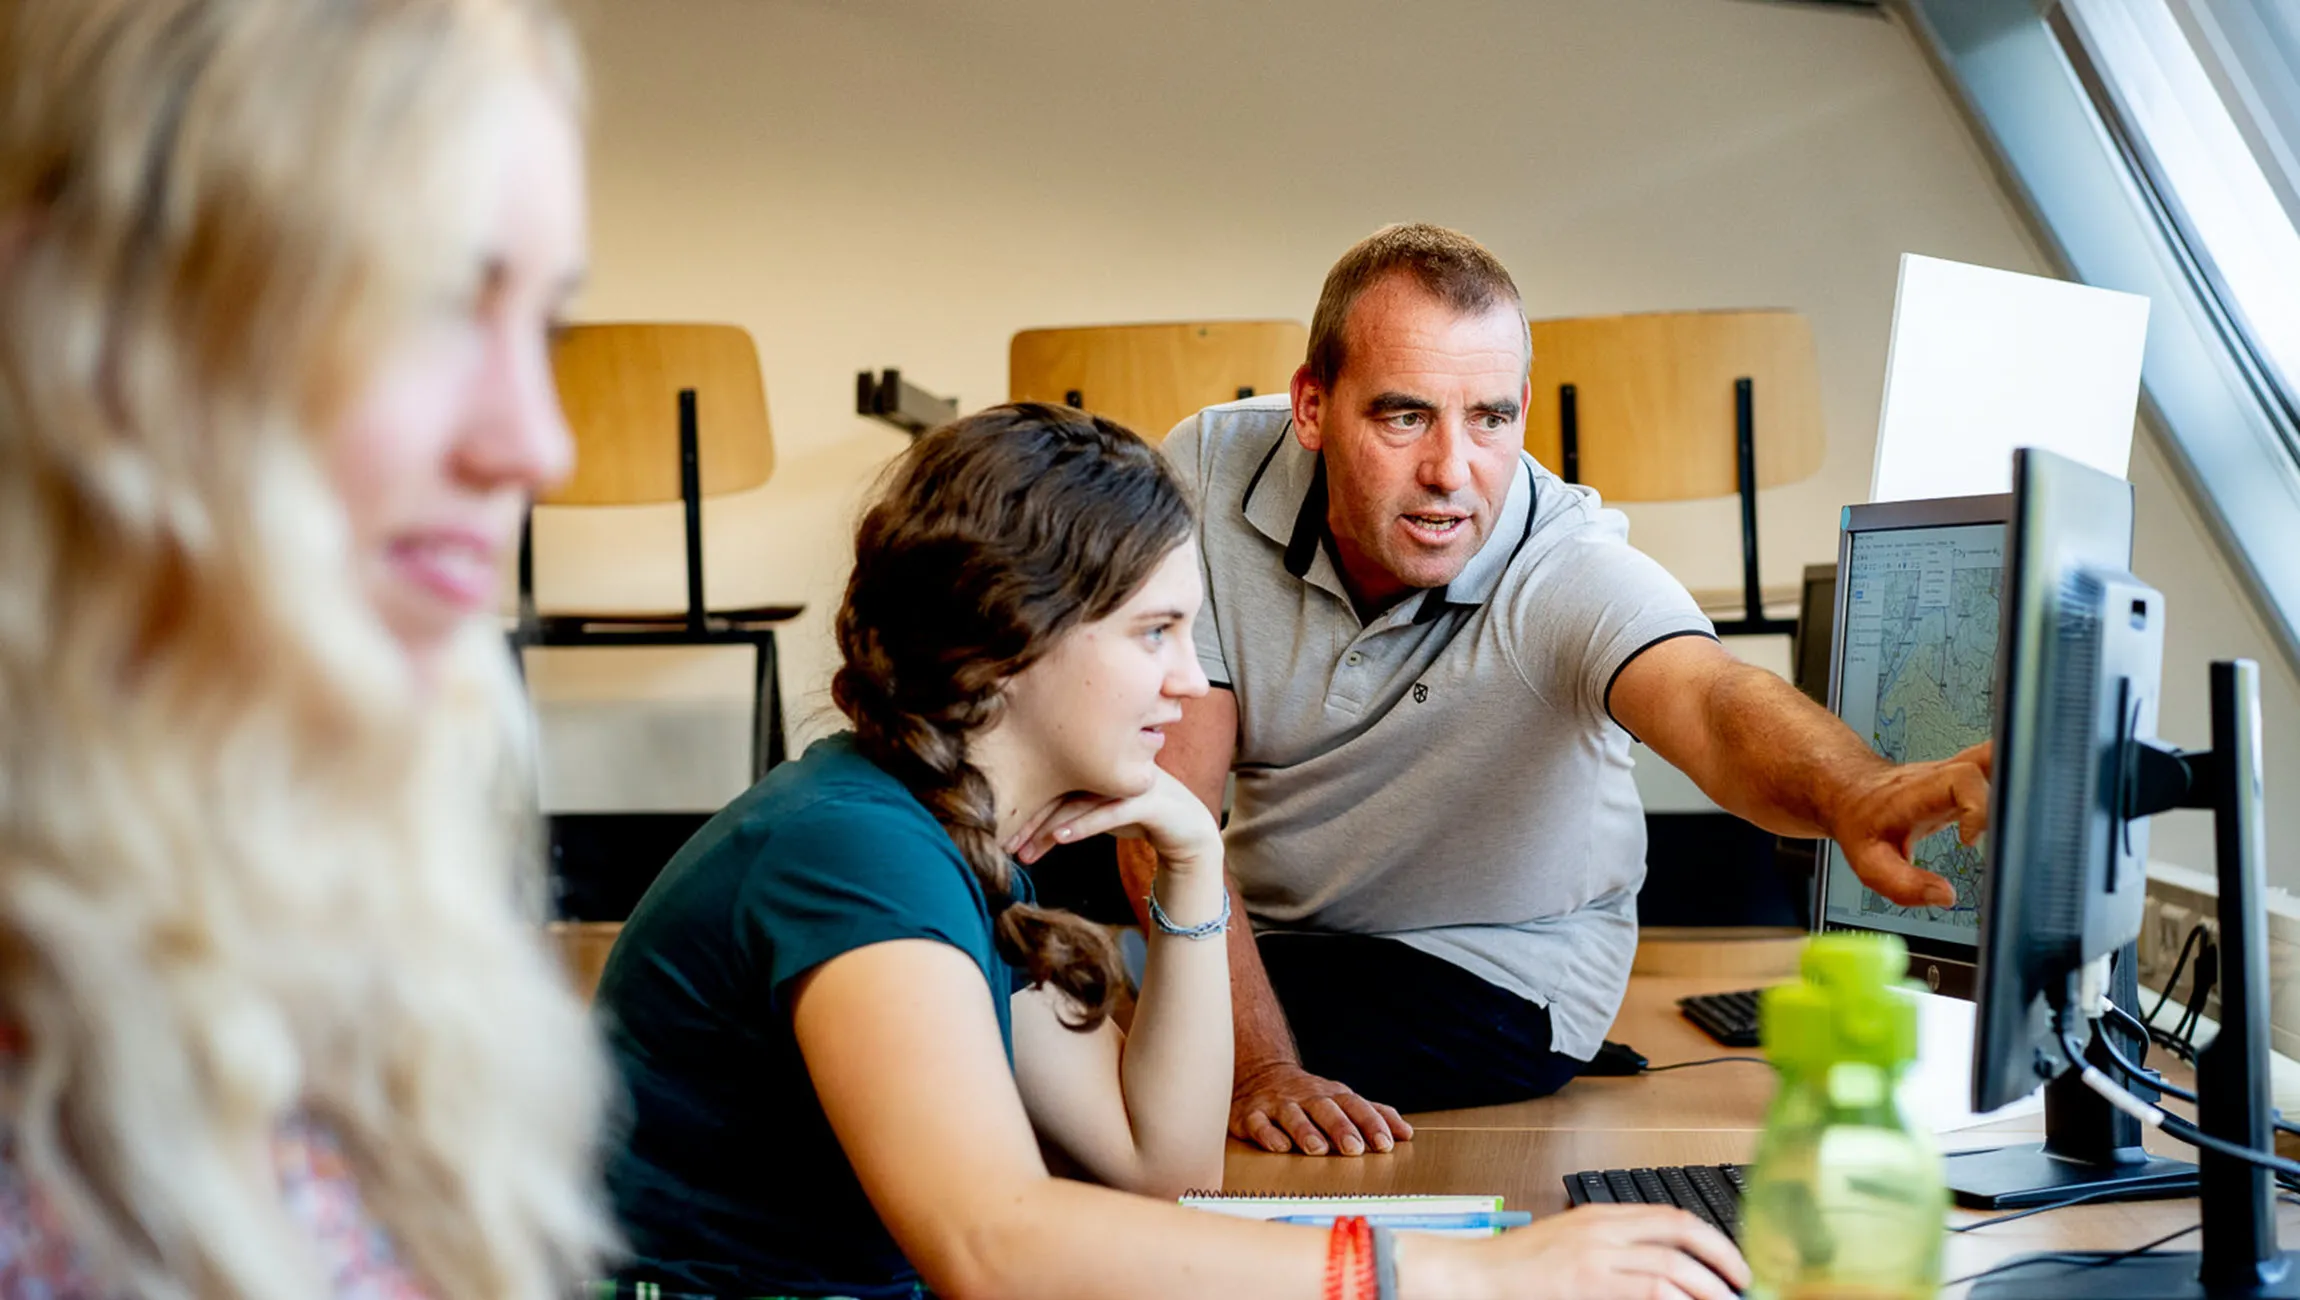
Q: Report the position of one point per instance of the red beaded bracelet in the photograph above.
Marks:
(1338, 1242)
(1350, 1269)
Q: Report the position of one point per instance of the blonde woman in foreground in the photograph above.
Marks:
(275, 282)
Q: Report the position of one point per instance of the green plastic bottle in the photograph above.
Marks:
(1845, 1199)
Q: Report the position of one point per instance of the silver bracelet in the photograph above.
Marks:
(1386, 1264)
(1205, 930)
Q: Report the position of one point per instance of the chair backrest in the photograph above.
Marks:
(620, 387)
(1152, 377)
(1654, 396)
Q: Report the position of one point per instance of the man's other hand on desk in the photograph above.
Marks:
(1882, 819)
(1281, 1107)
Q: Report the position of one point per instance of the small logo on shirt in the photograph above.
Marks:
(1421, 693)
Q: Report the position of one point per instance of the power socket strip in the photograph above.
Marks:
(2179, 899)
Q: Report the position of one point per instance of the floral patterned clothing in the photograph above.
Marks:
(39, 1262)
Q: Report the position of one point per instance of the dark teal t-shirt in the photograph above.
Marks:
(730, 1180)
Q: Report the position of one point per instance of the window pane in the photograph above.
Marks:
(2251, 49)
(2209, 174)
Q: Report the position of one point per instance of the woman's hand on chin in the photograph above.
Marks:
(1167, 815)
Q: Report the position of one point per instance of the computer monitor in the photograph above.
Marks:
(1914, 655)
(2076, 774)
(2083, 653)
(1810, 645)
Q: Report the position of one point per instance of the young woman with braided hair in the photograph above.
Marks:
(849, 1035)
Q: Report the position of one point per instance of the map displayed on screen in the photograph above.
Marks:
(1918, 682)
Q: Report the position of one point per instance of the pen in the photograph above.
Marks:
(1423, 1222)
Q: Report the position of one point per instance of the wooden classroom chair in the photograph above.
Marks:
(663, 413)
(1679, 406)
(1152, 377)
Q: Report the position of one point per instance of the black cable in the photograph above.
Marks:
(2154, 1080)
(2179, 1039)
(2185, 1131)
(2176, 1127)
(2133, 1023)
(1707, 1060)
(2200, 986)
(2138, 1075)
(2195, 932)
(2071, 1259)
(2139, 1028)
(2083, 1260)
(2179, 1048)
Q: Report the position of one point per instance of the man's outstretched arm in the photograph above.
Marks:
(1275, 1104)
(1764, 752)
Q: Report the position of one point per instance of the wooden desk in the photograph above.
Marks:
(1708, 1115)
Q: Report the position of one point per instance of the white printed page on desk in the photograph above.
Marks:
(1936, 1093)
(1281, 1205)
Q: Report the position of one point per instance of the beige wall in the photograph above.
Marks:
(897, 182)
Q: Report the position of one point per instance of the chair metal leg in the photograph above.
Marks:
(767, 746)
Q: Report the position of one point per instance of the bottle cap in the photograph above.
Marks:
(1849, 1005)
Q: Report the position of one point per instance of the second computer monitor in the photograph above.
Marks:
(1810, 645)
(1913, 672)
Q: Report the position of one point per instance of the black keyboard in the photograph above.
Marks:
(1711, 1192)
(1730, 1018)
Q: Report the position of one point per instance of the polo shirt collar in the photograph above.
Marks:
(1281, 487)
(1286, 502)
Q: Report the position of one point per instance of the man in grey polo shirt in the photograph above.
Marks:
(1429, 655)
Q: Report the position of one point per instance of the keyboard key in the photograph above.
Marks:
(1684, 1197)
(1624, 1187)
(1724, 1204)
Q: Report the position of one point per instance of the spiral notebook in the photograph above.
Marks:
(1279, 1205)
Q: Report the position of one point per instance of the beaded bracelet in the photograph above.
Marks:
(1351, 1271)
(1338, 1260)
(1205, 930)
(1367, 1269)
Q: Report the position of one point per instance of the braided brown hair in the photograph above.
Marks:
(991, 538)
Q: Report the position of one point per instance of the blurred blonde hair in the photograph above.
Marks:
(249, 869)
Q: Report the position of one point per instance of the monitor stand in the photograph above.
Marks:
(2240, 1257)
(2090, 1150)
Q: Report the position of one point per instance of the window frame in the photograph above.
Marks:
(2050, 121)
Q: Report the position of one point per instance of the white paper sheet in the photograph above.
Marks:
(1937, 1091)
(1983, 361)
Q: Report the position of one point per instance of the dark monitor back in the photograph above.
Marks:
(2078, 667)
(1816, 628)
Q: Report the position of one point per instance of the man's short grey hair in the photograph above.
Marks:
(1454, 268)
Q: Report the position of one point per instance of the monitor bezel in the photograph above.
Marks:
(1947, 968)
